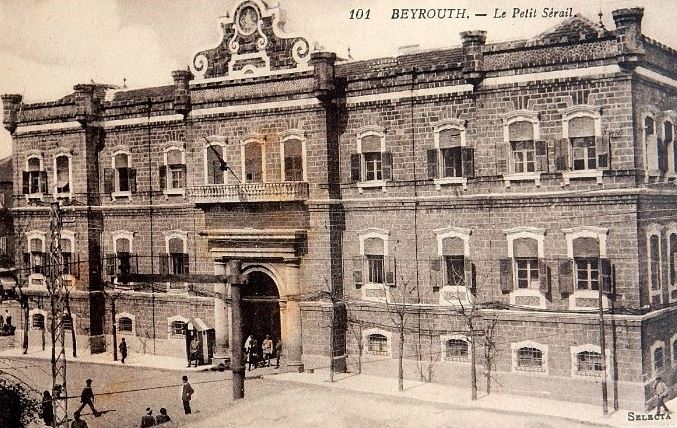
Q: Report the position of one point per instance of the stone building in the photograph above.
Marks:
(499, 183)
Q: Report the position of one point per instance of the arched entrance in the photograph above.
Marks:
(260, 317)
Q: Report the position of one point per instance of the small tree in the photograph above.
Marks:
(18, 407)
(355, 327)
(489, 350)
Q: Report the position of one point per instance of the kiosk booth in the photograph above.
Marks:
(206, 337)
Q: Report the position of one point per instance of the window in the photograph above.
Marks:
(450, 161)
(529, 359)
(374, 267)
(658, 360)
(524, 273)
(452, 270)
(176, 260)
(583, 143)
(121, 165)
(525, 253)
(587, 268)
(672, 261)
(34, 178)
(253, 162)
(669, 151)
(586, 263)
(125, 325)
(584, 151)
(372, 164)
(456, 350)
(374, 255)
(589, 363)
(527, 155)
(293, 160)
(121, 179)
(62, 174)
(178, 328)
(674, 351)
(378, 345)
(651, 145)
(455, 271)
(37, 258)
(214, 168)
(123, 253)
(173, 172)
(38, 322)
(654, 257)
(121, 261)
(67, 266)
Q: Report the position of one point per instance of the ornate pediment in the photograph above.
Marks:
(252, 43)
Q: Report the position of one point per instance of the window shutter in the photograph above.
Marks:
(164, 264)
(44, 187)
(163, 177)
(358, 266)
(541, 155)
(390, 270)
(502, 158)
(606, 277)
(26, 180)
(108, 180)
(469, 270)
(562, 154)
(652, 152)
(543, 277)
(186, 264)
(111, 262)
(602, 148)
(27, 260)
(435, 272)
(355, 167)
(566, 277)
(433, 166)
(133, 263)
(184, 177)
(468, 162)
(506, 266)
(662, 155)
(387, 165)
(132, 179)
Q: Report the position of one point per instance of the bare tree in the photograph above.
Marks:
(489, 350)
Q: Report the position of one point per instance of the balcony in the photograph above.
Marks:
(249, 192)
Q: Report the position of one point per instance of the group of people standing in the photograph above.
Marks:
(6, 327)
(260, 354)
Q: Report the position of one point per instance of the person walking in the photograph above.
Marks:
(147, 420)
(163, 417)
(87, 398)
(253, 354)
(123, 350)
(77, 422)
(186, 395)
(267, 348)
(47, 409)
(248, 347)
(661, 391)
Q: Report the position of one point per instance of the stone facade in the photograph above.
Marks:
(509, 181)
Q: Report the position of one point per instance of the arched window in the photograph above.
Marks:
(173, 172)
(253, 162)
(651, 145)
(456, 350)
(583, 143)
(176, 261)
(525, 254)
(377, 345)
(586, 262)
(67, 256)
(214, 169)
(62, 174)
(38, 322)
(522, 147)
(529, 359)
(374, 254)
(125, 325)
(121, 169)
(293, 160)
(670, 150)
(34, 178)
(658, 360)
(589, 363)
(123, 253)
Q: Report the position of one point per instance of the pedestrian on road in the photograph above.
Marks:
(8, 318)
(253, 353)
(192, 355)
(278, 352)
(77, 422)
(163, 417)
(661, 390)
(267, 347)
(147, 420)
(186, 395)
(87, 398)
(123, 350)
(47, 412)
(248, 347)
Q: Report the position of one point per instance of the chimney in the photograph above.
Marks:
(473, 58)
(182, 103)
(85, 104)
(323, 63)
(629, 32)
(11, 104)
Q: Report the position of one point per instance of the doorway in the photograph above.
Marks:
(260, 317)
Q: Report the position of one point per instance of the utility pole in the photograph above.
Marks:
(236, 359)
(602, 345)
(58, 295)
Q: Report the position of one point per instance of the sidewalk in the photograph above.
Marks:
(132, 360)
(457, 397)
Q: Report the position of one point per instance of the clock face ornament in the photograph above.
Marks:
(247, 20)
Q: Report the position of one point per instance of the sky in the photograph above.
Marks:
(48, 46)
